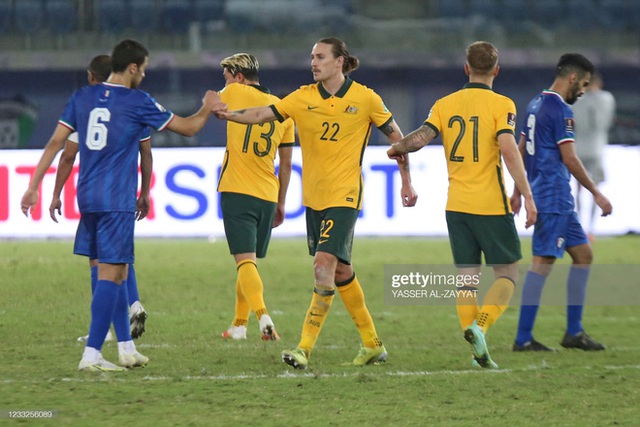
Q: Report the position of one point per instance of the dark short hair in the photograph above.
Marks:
(128, 52)
(100, 67)
(574, 62)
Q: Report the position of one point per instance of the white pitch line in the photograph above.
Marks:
(299, 375)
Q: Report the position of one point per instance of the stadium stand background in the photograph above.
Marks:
(411, 51)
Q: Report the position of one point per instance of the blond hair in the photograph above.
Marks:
(244, 63)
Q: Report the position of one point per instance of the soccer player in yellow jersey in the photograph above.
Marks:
(333, 118)
(252, 196)
(477, 128)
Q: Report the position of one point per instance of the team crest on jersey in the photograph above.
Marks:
(351, 109)
(511, 119)
(569, 124)
(160, 107)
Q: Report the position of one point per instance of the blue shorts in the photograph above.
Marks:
(106, 236)
(553, 233)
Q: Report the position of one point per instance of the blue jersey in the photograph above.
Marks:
(548, 124)
(111, 121)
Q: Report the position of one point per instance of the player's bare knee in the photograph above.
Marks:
(585, 258)
(510, 271)
(343, 273)
(581, 254)
(323, 276)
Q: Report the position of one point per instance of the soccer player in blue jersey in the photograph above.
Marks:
(98, 72)
(547, 144)
(110, 119)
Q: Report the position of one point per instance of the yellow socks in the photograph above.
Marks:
(353, 298)
(467, 305)
(243, 310)
(496, 301)
(251, 287)
(316, 315)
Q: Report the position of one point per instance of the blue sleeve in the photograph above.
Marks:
(153, 114)
(145, 135)
(564, 125)
(68, 117)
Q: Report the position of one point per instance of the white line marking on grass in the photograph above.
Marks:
(288, 374)
(164, 345)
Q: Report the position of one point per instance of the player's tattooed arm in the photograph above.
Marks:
(416, 139)
(388, 130)
(249, 115)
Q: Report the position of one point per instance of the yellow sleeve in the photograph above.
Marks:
(380, 115)
(289, 136)
(285, 108)
(506, 117)
(433, 119)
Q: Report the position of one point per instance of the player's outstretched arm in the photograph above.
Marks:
(412, 142)
(247, 116)
(189, 126)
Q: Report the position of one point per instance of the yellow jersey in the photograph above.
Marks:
(470, 121)
(248, 166)
(333, 130)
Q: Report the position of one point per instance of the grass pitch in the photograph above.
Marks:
(197, 378)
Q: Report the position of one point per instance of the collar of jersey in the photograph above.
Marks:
(113, 84)
(340, 93)
(261, 88)
(553, 92)
(476, 86)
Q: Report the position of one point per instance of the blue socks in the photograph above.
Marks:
(121, 315)
(111, 300)
(132, 285)
(576, 295)
(531, 293)
(103, 305)
(94, 279)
